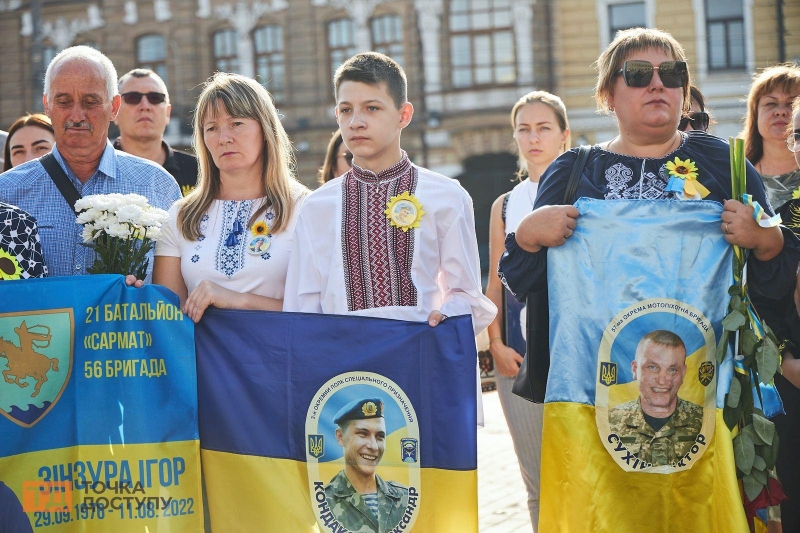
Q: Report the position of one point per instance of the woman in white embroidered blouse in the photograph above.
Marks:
(227, 243)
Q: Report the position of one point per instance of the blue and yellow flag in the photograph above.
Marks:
(634, 438)
(98, 407)
(296, 410)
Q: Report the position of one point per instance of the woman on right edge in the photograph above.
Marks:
(766, 126)
(541, 132)
(643, 80)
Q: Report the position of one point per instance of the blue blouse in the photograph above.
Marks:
(609, 175)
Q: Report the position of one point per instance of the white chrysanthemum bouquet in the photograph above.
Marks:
(121, 228)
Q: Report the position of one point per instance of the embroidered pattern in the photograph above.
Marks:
(377, 256)
(20, 240)
(621, 185)
(230, 259)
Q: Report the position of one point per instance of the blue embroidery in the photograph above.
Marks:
(265, 255)
(270, 215)
(195, 258)
(230, 259)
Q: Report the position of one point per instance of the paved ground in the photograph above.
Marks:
(501, 494)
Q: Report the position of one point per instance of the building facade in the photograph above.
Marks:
(467, 62)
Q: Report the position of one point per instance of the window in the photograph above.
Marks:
(151, 52)
(225, 58)
(725, 34)
(625, 16)
(481, 43)
(341, 42)
(269, 59)
(387, 36)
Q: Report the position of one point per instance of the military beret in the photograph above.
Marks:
(360, 410)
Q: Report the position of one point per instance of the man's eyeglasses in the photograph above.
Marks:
(793, 142)
(699, 121)
(637, 73)
(134, 97)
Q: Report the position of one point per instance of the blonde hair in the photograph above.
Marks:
(243, 98)
(553, 102)
(785, 78)
(626, 42)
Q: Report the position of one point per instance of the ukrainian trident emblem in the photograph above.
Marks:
(316, 446)
(608, 373)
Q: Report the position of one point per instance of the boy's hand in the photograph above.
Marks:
(435, 318)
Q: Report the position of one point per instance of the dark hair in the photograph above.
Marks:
(325, 173)
(784, 78)
(695, 94)
(373, 68)
(144, 73)
(39, 120)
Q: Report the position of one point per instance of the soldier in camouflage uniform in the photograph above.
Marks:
(658, 427)
(362, 434)
(665, 446)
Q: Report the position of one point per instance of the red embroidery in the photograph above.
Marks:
(377, 256)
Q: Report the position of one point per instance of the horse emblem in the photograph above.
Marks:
(36, 368)
(608, 373)
(316, 446)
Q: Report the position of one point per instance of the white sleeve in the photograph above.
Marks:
(303, 291)
(168, 243)
(460, 274)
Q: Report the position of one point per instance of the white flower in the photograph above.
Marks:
(88, 233)
(154, 233)
(135, 199)
(130, 213)
(153, 217)
(90, 215)
(118, 230)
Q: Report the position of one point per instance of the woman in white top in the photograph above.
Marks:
(541, 131)
(227, 243)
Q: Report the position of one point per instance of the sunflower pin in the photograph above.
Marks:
(259, 228)
(796, 194)
(683, 178)
(404, 211)
(9, 267)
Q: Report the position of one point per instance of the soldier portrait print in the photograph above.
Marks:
(655, 399)
(362, 437)
(35, 361)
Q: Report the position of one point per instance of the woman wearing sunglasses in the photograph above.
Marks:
(698, 118)
(227, 242)
(766, 125)
(643, 81)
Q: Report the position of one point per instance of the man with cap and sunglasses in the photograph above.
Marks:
(143, 116)
(357, 496)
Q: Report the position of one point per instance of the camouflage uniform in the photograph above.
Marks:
(662, 447)
(349, 508)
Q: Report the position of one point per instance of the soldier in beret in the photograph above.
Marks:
(359, 498)
(658, 427)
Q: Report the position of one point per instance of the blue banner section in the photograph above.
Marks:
(668, 255)
(259, 372)
(89, 361)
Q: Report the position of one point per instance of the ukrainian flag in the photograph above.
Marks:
(630, 268)
(98, 416)
(269, 385)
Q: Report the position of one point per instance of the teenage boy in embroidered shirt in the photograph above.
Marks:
(388, 239)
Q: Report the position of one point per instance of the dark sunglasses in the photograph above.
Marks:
(637, 73)
(134, 97)
(699, 121)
